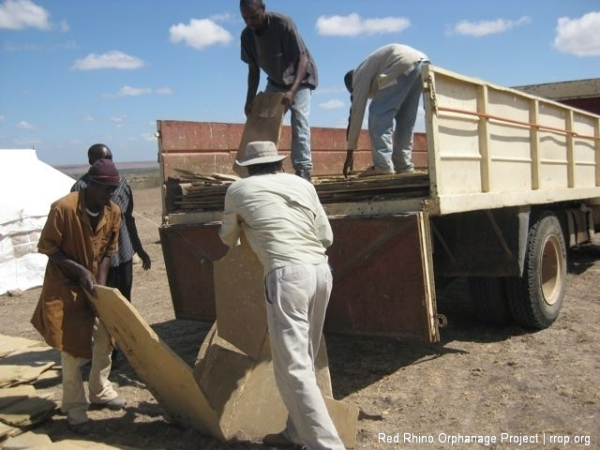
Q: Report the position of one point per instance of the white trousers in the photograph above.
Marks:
(74, 401)
(297, 298)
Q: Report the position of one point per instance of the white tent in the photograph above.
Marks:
(28, 188)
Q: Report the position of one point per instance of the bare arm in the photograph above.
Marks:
(253, 81)
(136, 242)
(288, 98)
(77, 273)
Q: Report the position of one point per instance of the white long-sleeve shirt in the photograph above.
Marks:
(379, 70)
(282, 218)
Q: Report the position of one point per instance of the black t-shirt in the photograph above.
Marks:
(276, 50)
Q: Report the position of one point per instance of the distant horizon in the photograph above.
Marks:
(71, 169)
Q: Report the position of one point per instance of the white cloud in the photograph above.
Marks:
(87, 118)
(110, 60)
(580, 37)
(1, 118)
(148, 137)
(353, 25)
(21, 14)
(332, 104)
(10, 47)
(24, 125)
(128, 91)
(485, 27)
(199, 34)
(27, 142)
(330, 90)
(69, 45)
(227, 17)
(118, 121)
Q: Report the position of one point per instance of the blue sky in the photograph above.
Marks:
(76, 72)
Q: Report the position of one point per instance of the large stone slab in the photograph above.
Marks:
(81, 444)
(166, 375)
(10, 344)
(229, 394)
(11, 395)
(264, 124)
(26, 440)
(243, 391)
(27, 412)
(27, 364)
(239, 294)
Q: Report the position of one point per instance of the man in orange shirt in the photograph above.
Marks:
(80, 237)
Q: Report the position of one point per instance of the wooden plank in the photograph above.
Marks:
(209, 197)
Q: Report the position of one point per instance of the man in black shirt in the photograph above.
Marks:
(271, 42)
(120, 274)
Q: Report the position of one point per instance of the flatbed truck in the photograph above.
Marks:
(506, 182)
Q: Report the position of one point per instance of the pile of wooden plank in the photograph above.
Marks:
(207, 192)
(202, 192)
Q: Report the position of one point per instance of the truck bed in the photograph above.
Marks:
(485, 147)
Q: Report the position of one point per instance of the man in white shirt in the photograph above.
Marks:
(286, 226)
(391, 78)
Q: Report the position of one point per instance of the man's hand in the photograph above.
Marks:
(288, 99)
(87, 281)
(146, 262)
(349, 163)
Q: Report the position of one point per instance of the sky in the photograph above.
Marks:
(74, 72)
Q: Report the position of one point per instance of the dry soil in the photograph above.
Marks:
(500, 387)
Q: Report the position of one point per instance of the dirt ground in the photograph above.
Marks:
(504, 388)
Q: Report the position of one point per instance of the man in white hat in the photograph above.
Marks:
(286, 226)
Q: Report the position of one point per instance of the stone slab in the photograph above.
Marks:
(10, 344)
(166, 375)
(26, 364)
(27, 412)
(11, 395)
(264, 124)
(240, 299)
(26, 440)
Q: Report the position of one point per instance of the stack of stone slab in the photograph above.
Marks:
(22, 363)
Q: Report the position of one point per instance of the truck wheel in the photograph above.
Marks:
(536, 298)
(488, 296)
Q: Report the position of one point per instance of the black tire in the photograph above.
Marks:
(535, 299)
(488, 296)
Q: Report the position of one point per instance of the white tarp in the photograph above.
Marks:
(28, 187)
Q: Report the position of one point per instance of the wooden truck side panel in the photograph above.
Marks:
(493, 147)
